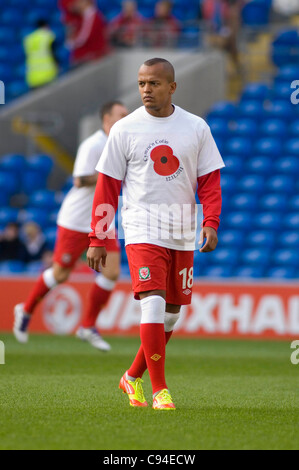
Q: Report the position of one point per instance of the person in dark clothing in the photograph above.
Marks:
(11, 246)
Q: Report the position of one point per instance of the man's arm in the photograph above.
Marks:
(209, 194)
(104, 208)
(89, 180)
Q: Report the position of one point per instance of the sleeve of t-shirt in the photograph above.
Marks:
(209, 158)
(113, 160)
(87, 158)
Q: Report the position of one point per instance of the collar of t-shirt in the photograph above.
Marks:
(152, 118)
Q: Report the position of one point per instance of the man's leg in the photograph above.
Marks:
(139, 365)
(98, 297)
(23, 312)
(101, 290)
(68, 248)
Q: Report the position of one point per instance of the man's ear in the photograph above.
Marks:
(172, 88)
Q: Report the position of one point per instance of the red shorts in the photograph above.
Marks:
(70, 245)
(154, 267)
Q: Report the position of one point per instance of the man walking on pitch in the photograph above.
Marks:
(73, 222)
(161, 153)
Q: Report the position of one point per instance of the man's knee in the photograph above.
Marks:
(61, 274)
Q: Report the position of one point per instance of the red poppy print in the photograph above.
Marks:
(165, 162)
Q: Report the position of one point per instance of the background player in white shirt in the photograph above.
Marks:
(161, 153)
(73, 222)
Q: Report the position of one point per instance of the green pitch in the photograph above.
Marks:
(60, 393)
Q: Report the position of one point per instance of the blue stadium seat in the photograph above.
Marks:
(42, 164)
(281, 91)
(292, 147)
(281, 272)
(251, 109)
(222, 109)
(293, 203)
(12, 267)
(238, 146)
(16, 88)
(261, 165)
(286, 257)
(268, 146)
(255, 91)
(234, 164)
(288, 73)
(228, 183)
(256, 13)
(39, 216)
(32, 181)
(35, 14)
(7, 36)
(223, 256)
(279, 109)
(12, 18)
(291, 221)
(52, 217)
(256, 256)
(244, 128)
(220, 143)
(6, 72)
(238, 220)
(282, 184)
(231, 238)
(287, 165)
(217, 271)
(21, 4)
(289, 239)
(254, 183)
(243, 202)
(4, 199)
(67, 185)
(219, 127)
(45, 199)
(51, 234)
(294, 128)
(9, 183)
(267, 221)
(285, 48)
(247, 272)
(274, 128)
(261, 238)
(273, 202)
(8, 214)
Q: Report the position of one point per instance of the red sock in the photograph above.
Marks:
(38, 292)
(153, 342)
(98, 297)
(139, 366)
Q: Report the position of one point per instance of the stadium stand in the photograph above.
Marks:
(258, 137)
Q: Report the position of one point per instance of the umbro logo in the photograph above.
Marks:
(187, 291)
(156, 357)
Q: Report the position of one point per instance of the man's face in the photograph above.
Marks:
(155, 87)
(117, 112)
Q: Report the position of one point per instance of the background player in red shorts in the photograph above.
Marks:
(73, 222)
(161, 153)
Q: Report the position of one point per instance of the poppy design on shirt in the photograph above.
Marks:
(165, 162)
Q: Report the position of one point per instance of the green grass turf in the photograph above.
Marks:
(60, 393)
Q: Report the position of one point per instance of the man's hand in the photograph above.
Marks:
(96, 257)
(210, 235)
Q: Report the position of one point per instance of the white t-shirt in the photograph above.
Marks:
(159, 161)
(75, 212)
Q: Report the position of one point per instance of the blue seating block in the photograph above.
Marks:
(261, 239)
(261, 165)
(268, 146)
(276, 128)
